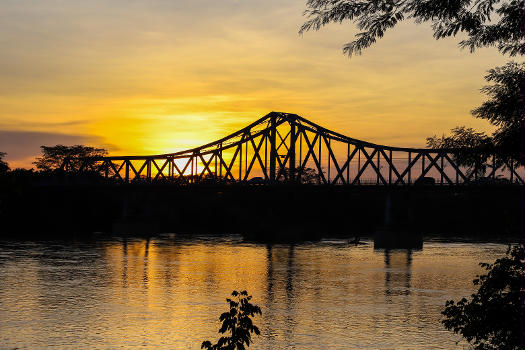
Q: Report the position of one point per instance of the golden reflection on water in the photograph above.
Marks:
(168, 293)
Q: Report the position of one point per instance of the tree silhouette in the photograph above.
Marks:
(495, 316)
(303, 175)
(474, 148)
(237, 322)
(4, 167)
(506, 110)
(54, 156)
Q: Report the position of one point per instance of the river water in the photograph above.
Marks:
(167, 292)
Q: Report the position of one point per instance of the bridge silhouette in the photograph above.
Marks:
(284, 147)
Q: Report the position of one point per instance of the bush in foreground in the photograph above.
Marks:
(494, 318)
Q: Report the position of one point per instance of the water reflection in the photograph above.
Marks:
(124, 263)
(397, 271)
(145, 271)
(280, 273)
(168, 293)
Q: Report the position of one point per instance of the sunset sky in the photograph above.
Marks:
(157, 76)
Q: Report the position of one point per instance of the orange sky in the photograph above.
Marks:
(143, 77)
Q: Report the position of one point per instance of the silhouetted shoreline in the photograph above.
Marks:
(265, 213)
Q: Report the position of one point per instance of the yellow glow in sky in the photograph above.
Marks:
(155, 76)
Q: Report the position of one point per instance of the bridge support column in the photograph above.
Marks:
(293, 137)
(126, 175)
(273, 150)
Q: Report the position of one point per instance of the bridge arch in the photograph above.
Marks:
(285, 147)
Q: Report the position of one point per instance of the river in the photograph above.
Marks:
(168, 292)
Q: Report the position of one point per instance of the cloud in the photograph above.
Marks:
(12, 125)
(23, 146)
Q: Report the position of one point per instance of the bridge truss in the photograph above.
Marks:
(283, 147)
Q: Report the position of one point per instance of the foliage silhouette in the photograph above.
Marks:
(505, 109)
(302, 175)
(495, 316)
(448, 18)
(53, 156)
(4, 167)
(238, 322)
(309, 176)
(474, 148)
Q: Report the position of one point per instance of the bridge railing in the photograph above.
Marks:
(282, 147)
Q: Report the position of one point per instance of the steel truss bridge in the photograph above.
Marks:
(283, 147)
